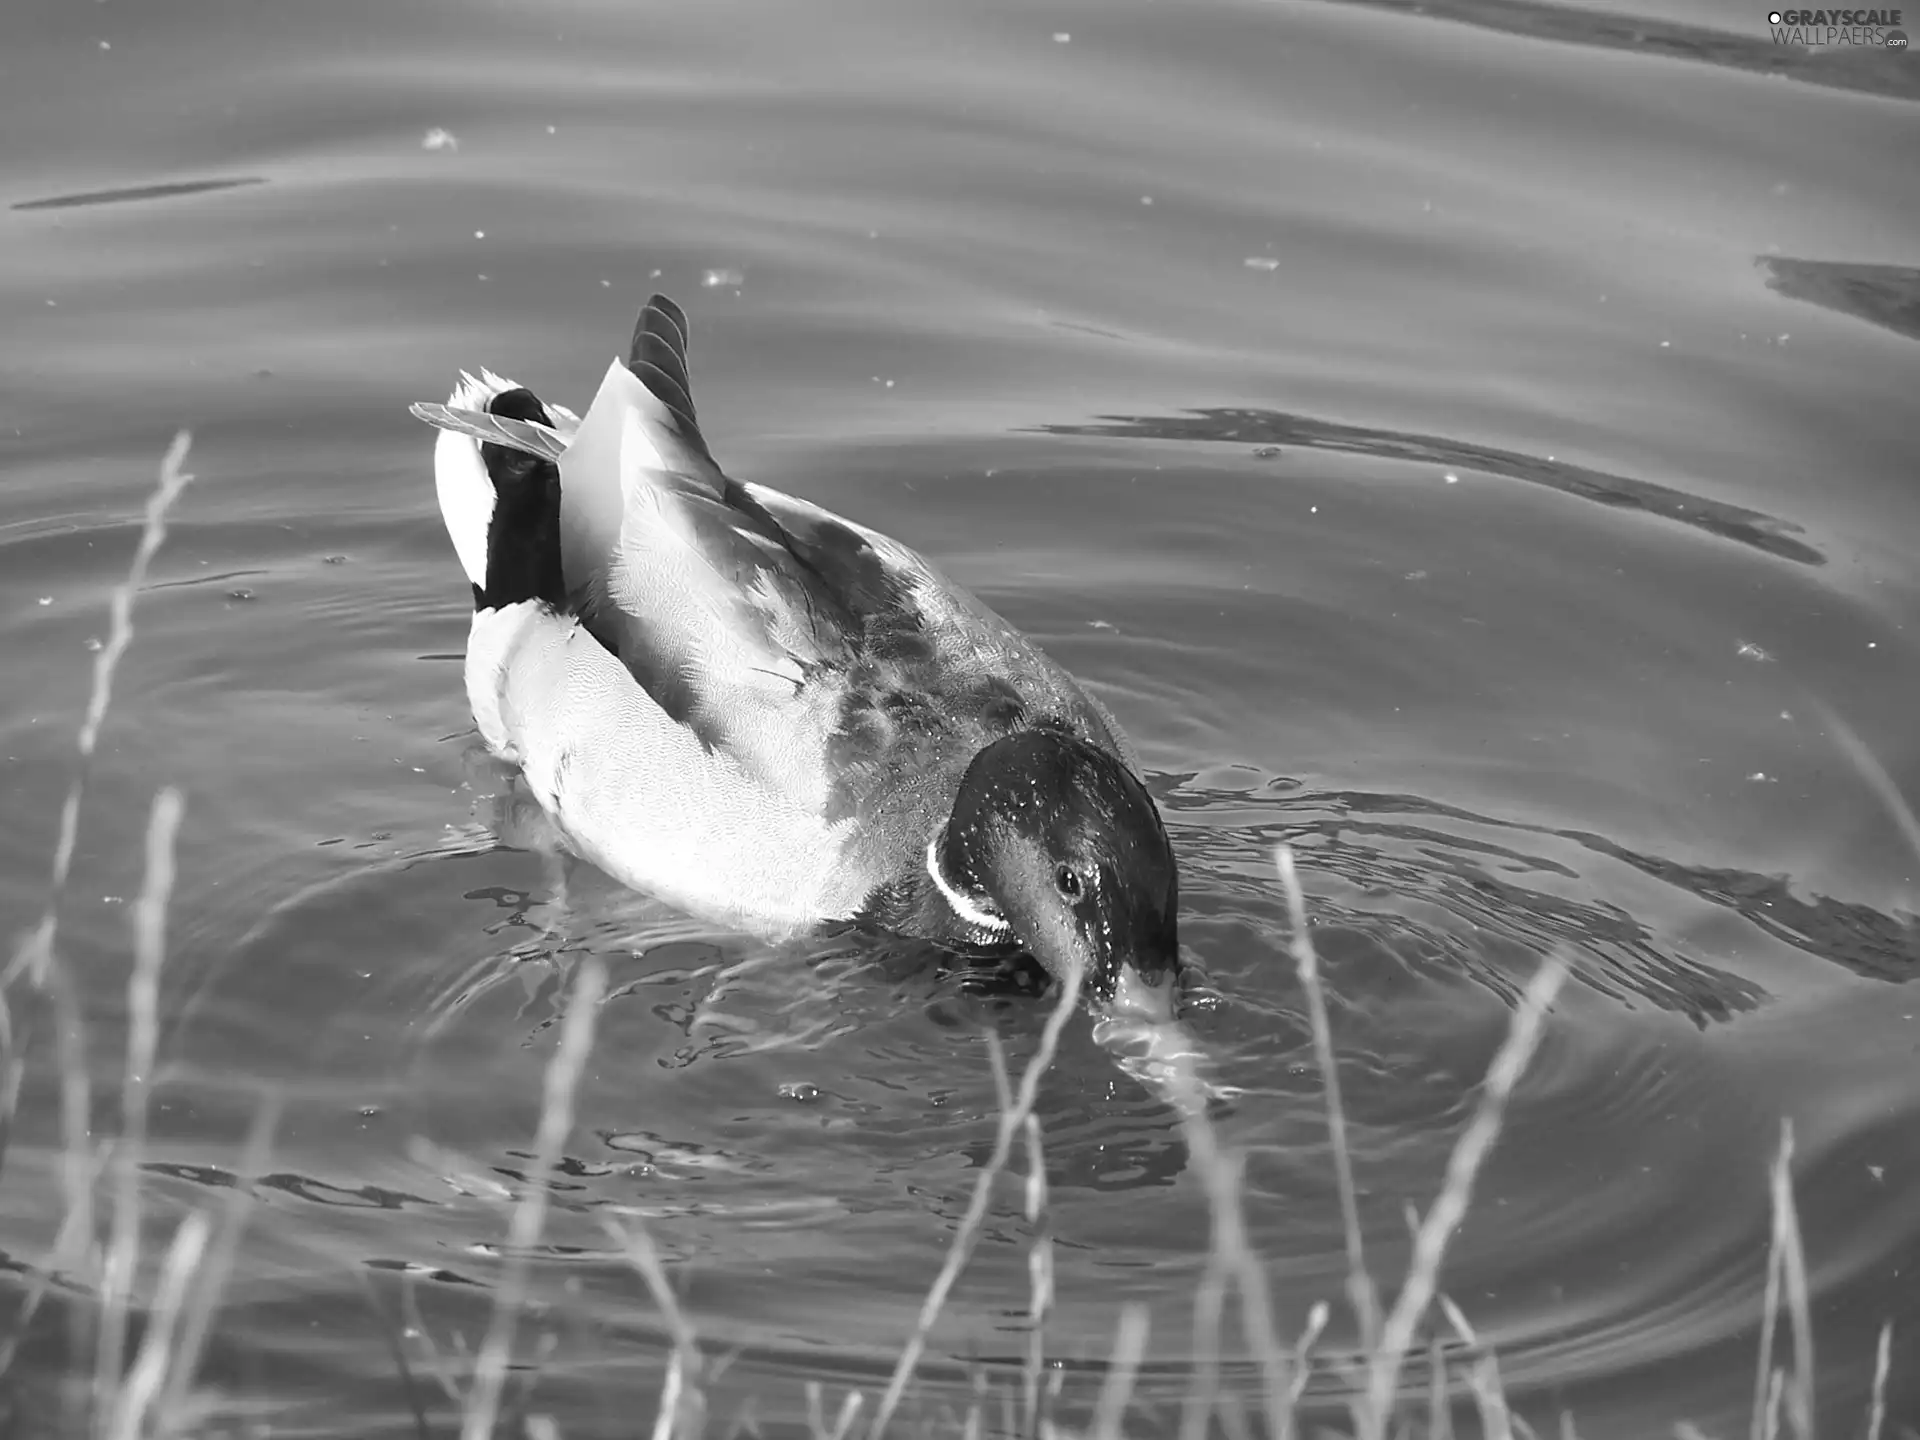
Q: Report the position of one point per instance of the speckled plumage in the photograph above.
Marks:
(732, 698)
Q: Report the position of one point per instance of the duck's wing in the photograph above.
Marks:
(682, 574)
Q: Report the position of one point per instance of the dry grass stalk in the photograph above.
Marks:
(1129, 1343)
(210, 1277)
(682, 1408)
(1463, 1167)
(1439, 1407)
(13, 1070)
(134, 1398)
(530, 1214)
(143, 1040)
(1011, 1120)
(818, 1427)
(34, 953)
(1237, 1260)
(1360, 1291)
(1882, 1364)
(1197, 1407)
(1798, 1382)
(1039, 1275)
(1302, 1351)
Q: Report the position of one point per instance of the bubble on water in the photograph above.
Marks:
(439, 139)
(713, 279)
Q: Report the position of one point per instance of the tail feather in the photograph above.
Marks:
(460, 478)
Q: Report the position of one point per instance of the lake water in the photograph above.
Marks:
(1472, 441)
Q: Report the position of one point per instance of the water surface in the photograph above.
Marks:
(1470, 442)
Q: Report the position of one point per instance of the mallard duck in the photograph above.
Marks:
(776, 719)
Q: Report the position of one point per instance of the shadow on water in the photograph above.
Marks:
(1276, 427)
(1875, 70)
(132, 193)
(1883, 295)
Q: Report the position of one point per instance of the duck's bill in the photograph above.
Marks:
(1135, 999)
(1156, 1050)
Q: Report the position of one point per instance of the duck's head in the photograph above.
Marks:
(1064, 841)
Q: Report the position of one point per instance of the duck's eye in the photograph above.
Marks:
(1067, 880)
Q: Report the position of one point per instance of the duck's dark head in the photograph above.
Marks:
(1065, 842)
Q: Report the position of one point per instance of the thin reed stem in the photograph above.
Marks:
(149, 922)
(1129, 1343)
(1463, 1167)
(1882, 1364)
(34, 954)
(210, 1276)
(530, 1214)
(1359, 1284)
(961, 1248)
(134, 1400)
(1039, 1275)
(1793, 1273)
(1759, 1425)
(683, 1372)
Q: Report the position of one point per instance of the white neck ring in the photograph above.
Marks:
(964, 905)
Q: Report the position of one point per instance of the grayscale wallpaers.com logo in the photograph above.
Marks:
(1838, 27)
